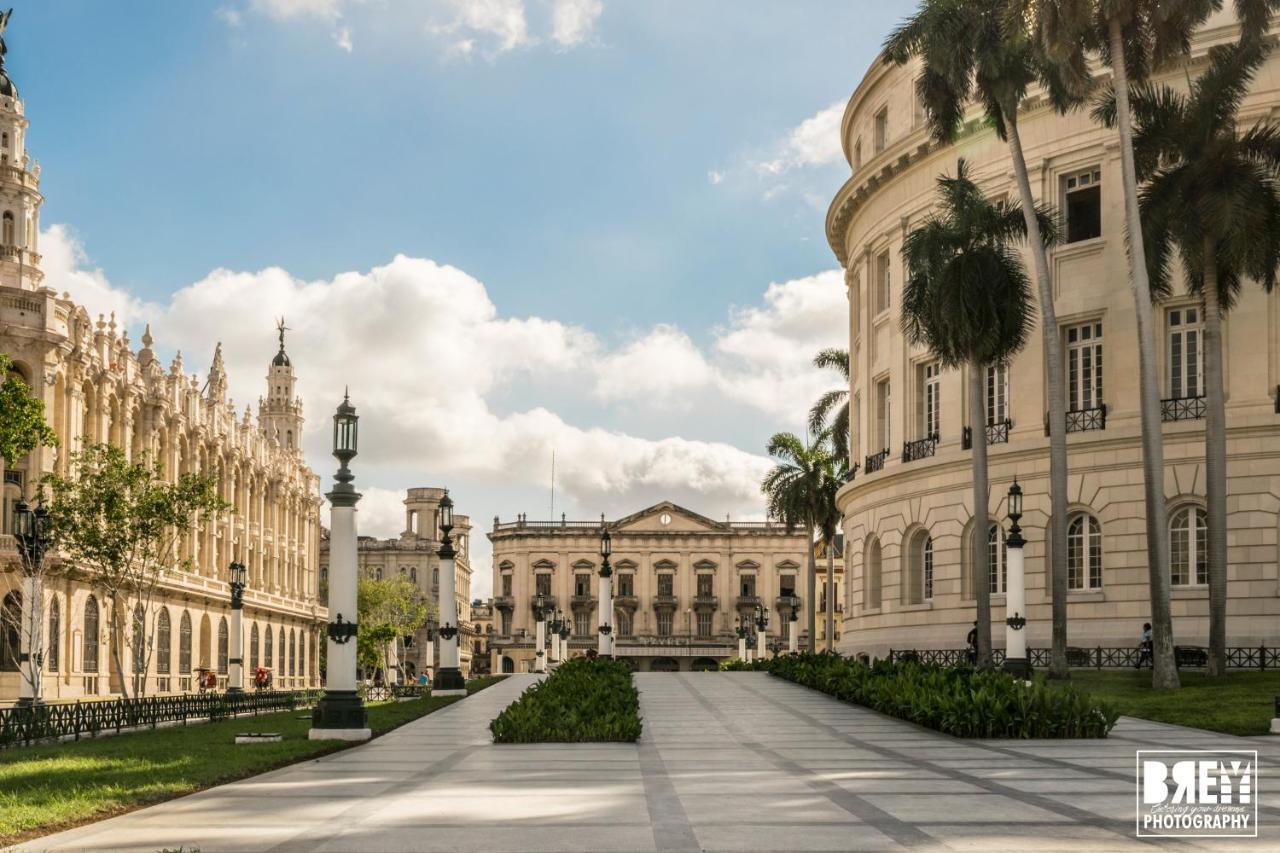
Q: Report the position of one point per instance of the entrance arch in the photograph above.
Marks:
(705, 665)
(508, 665)
(664, 665)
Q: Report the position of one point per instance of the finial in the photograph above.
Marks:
(346, 397)
(281, 328)
(146, 337)
(4, 25)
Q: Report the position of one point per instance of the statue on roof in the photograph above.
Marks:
(4, 25)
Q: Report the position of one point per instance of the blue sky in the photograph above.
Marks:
(631, 176)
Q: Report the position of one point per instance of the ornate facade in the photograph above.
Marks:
(97, 388)
(906, 515)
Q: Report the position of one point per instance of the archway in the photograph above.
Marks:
(705, 665)
(508, 665)
(664, 665)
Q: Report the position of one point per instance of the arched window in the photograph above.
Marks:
(224, 640)
(164, 642)
(91, 635)
(281, 646)
(871, 575)
(1188, 546)
(435, 577)
(53, 646)
(926, 568)
(139, 641)
(293, 653)
(268, 657)
(184, 644)
(253, 646)
(1084, 552)
(302, 653)
(997, 559)
(10, 632)
(917, 581)
(9, 230)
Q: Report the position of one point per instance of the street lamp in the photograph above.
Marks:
(340, 714)
(793, 631)
(604, 646)
(564, 639)
(762, 624)
(742, 632)
(540, 633)
(553, 627)
(449, 680)
(1015, 606)
(33, 532)
(237, 579)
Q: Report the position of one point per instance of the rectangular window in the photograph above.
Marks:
(582, 584)
(582, 623)
(1082, 197)
(704, 584)
(542, 584)
(664, 623)
(997, 394)
(748, 586)
(704, 624)
(666, 584)
(855, 292)
(928, 400)
(882, 414)
(626, 585)
(787, 586)
(506, 623)
(883, 282)
(1084, 366)
(506, 585)
(882, 129)
(1186, 350)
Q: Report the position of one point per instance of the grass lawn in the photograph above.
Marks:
(1239, 703)
(48, 788)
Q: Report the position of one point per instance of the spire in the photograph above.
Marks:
(217, 384)
(6, 85)
(282, 358)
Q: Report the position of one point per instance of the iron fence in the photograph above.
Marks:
(875, 462)
(920, 448)
(389, 692)
(1260, 658)
(1182, 409)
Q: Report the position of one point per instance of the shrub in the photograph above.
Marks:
(959, 701)
(585, 699)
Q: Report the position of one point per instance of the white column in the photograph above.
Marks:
(793, 636)
(393, 663)
(540, 645)
(340, 714)
(1015, 605)
(235, 649)
(604, 645)
(761, 639)
(742, 648)
(453, 684)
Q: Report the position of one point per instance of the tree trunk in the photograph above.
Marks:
(811, 590)
(981, 568)
(1056, 550)
(831, 594)
(1215, 466)
(117, 640)
(1164, 669)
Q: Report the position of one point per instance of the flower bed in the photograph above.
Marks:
(959, 701)
(585, 700)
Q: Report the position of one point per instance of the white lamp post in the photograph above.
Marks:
(742, 637)
(340, 713)
(238, 577)
(540, 635)
(762, 636)
(449, 680)
(604, 646)
(793, 631)
(1015, 596)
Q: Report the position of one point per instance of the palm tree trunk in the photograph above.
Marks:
(831, 594)
(981, 569)
(811, 590)
(1215, 466)
(1164, 670)
(1056, 564)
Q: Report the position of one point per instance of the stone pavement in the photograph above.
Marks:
(728, 761)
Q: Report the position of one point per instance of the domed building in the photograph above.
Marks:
(906, 514)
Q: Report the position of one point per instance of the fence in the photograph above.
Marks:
(71, 720)
(1260, 658)
(390, 692)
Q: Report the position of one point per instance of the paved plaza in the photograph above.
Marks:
(728, 761)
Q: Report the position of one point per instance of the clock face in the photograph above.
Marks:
(664, 519)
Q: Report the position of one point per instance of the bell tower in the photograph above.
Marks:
(280, 412)
(20, 197)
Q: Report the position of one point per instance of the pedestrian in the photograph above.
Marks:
(1144, 647)
(972, 640)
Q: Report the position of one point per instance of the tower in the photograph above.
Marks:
(20, 197)
(280, 412)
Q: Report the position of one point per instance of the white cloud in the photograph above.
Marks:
(573, 20)
(342, 38)
(497, 25)
(231, 17)
(64, 264)
(715, 176)
(814, 142)
(283, 10)
(662, 364)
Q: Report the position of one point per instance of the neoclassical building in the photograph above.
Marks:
(906, 514)
(681, 581)
(414, 555)
(97, 388)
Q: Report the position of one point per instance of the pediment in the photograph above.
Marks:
(584, 564)
(746, 565)
(667, 517)
(705, 564)
(788, 564)
(627, 565)
(544, 564)
(666, 565)
(506, 565)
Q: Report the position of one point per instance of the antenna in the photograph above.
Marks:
(553, 485)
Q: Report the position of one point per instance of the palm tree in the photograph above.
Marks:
(968, 299)
(831, 412)
(828, 529)
(799, 493)
(968, 54)
(1212, 195)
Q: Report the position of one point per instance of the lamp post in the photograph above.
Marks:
(564, 640)
(793, 633)
(340, 714)
(762, 623)
(33, 532)
(741, 631)
(1015, 605)
(554, 626)
(449, 680)
(604, 646)
(540, 635)
(237, 579)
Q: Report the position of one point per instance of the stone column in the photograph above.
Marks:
(235, 645)
(540, 644)
(449, 680)
(1015, 607)
(761, 639)
(742, 648)
(793, 634)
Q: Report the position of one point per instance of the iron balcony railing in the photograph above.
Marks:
(665, 602)
(997, 433)
(786, 602)
(1182, 409)
(1261, 658)
(578, 601)
(706, 602)
(745, 601)
(1083, 420)
(875, 462)
(851, 473)
(921, 448)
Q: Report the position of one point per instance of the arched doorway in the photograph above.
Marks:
(705, 665)
(664, 665)
(508, 665)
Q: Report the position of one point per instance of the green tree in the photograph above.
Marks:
(388, 609)
(828, 529)
(799, 493)
(119, 524)
(22, 423)
(968, 300)
(1210, 194)
(969, 54)
(831, 412)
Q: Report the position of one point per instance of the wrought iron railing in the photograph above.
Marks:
(389, 692)
(73, 720)
(1182, 409)
(875, 462)
(920, 448)
(1083, 420)
(851, 473)
(997, 433)
(1260, 658)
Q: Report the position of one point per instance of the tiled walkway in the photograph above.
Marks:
(728, 761)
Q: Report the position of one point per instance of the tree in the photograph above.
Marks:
(969, 53)
(831, 412)
(828, 528)
(387, 609)
(968, 300)
(798, 492)
(1211, 194)
(119, 524)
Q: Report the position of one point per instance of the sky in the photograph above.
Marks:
(514, 228)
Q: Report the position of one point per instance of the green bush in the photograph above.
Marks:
(959, 701)
(585, 699)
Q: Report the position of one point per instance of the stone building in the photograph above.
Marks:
(413, 554)
(906, 515)
(482, 639)
(681, 581)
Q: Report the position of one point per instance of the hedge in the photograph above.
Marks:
(584, 700)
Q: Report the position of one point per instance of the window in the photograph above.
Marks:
(1185, 352)
(928, 400)
(184, 644)
(10, 632)
(882, 129)
(1084, 366)
(997, 394)
(884, 283)
(435, 576)
(704, 624)
(52, 658)
(1188, 546)
(223, 642)
(626, 585)
(1083, 204)
(582, 623)
(997, 559)
(582, 584)
(882, 413)
(164, 642)
(268, 648)
(139, 640)
(871, 579)
(90, 655)
(666, 584)
(506, 586)
(280, 640)
(542, 584)
(787, 586)
(9, 229)
(1084, 553)
(918, 116)
(926, 567)
(625, 628)
(917, 581)
(254, 647)
(857, 154)
(664, 623)
(506, 623)
(704, 585)
(748, 583)
(855, 426)
(293, 653)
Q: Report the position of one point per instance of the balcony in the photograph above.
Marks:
(626, 600)
(705, 602)
(921, 448)
(851, 473)
(581, 601)
(875, 462)
(1182, 409)
(1083, 420)
(548, 601)
(665, 602)
(749, 601)
(787, 602)
(997, 433)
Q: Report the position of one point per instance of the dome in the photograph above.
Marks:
(7, 87)
(281, 359)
